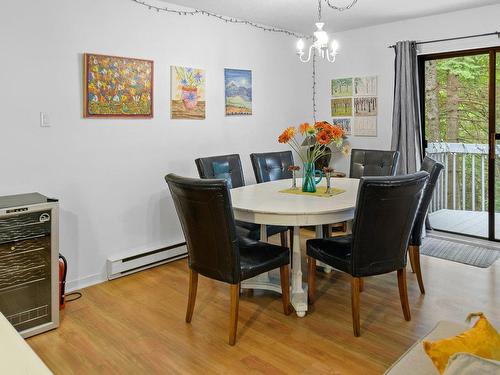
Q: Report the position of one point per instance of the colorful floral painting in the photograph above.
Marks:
(238, 89)
(187, 93)
(117, 87)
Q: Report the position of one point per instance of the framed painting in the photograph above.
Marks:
(365, 106)
(365, 126)
(238, 92)
(341, 87)
(365, 86)
(117, 87)
(341, 107)
(187, 93)
(344, 123)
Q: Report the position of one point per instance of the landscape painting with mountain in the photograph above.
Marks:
(238, 90)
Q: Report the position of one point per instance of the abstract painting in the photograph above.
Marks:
(365, 106)
(341, 107)
(365, 86)
(345, 124)
(365, 126)
(187, 93)
(238, 89)
(341, 87)
(117, 86)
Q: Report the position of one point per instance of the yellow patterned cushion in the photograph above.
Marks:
(482, 340)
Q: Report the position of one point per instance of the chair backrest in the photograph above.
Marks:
(385, 212)
(373, 163)
(434, 169)
(324, 160)
(206, 216)
(227, 167)
(272, 166)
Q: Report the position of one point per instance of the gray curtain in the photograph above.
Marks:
(406, 136)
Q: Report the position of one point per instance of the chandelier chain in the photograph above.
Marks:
(341, 9)
(319, 10)
(314, 85)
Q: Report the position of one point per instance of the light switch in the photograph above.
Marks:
(44, 120)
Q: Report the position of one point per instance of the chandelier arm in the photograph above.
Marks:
(341, 9)
(308, 57)
(330, 56)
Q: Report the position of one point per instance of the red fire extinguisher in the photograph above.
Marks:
(63, 270)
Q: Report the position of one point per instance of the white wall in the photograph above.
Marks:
(108, 174)
(364, 52)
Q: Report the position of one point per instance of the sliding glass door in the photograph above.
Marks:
(460, 126)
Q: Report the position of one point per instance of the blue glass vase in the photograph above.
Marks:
(309, 180)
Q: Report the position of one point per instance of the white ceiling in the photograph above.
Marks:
(300, 15)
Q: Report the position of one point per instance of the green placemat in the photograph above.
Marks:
(320, 192)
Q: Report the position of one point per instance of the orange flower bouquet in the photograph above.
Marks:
(317, 138)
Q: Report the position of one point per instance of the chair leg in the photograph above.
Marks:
(403, 293)
(355, 286)
(415, 256)
(290, 230)
(327, 230)
(410, 257)
(311, 280)
(361, 284)
(233, 313)
(285, 288)
(284, 239)
(344, 226)
(193, 286)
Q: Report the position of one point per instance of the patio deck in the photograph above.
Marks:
(472, 223)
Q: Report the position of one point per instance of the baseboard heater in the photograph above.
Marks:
(127, 263)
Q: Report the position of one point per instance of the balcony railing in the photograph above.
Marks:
(463, 183)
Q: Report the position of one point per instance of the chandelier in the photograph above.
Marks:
(320, 45)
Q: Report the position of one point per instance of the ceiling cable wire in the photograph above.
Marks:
(341, 9)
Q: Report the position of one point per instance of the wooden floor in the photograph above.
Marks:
(472, 223)
(135, 325)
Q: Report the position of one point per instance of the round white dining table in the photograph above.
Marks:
(264, 204)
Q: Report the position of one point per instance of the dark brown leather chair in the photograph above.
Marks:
(434, 169)
(271, 166)
(228, 167)
(373, 163)
(215, 249)
(386, 209)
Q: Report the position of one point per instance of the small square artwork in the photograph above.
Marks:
(187, 93)
(341, 87)
(365, 86)
(365, 106)
(238, 92)
(365, 126)
(117, 87)
(341, 107)
(345, 124)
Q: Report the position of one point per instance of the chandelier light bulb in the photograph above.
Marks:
(300, 44)
(335, 46)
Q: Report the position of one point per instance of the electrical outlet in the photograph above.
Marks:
(44, 120)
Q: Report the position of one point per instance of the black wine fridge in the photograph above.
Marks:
(29, 251)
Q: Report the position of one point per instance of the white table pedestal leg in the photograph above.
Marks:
(299, 291)
(319, 234)
(262, 281)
